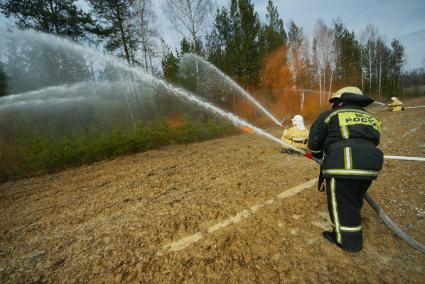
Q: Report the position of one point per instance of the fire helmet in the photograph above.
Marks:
(351, 90)
(298, 120)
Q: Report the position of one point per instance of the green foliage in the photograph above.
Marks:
(61, 17)
(170, 66)
(190, 47)
(396, 64)
(413, 82)
(41, 153)
(34, 65)
(218, 41)
(3, 82)
(233, 45)
(273, 34)
(118, 29)
(347, 65)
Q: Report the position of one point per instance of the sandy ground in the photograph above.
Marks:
(226, 210)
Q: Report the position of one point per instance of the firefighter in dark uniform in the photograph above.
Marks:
(346, 138)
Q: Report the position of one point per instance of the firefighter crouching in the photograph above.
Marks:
(346, 138)
(296, 136)
(396, 105)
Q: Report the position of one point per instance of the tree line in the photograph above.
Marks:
(258, 54)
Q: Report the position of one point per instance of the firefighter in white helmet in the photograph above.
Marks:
(297, 135)
(396, 105)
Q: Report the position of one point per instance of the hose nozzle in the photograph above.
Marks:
(308, 155)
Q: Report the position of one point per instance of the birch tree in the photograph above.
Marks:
(324, 40)
(189, 17)
(295, 43)
(147, 34)
(369, 37)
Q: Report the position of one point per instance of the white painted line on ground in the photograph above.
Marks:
(187, 241)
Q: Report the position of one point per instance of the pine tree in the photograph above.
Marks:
(170, 66)
(36, 64)
(61, 17)
(218, 41)
(396, 64)
(243, 49)
(347, 59)
(233, 45)
(191, 47)
(273, 34)
(118, 26)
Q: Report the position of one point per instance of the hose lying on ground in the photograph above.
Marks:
(393, 226)
(404, 158)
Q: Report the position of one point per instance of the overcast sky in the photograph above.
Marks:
(401, 19)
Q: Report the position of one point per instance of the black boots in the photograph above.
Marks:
(331, 237)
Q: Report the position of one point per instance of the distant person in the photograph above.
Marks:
(346, 138)
(297, 135)
(396, 105)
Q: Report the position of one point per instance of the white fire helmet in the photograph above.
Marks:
(394, 98)
(298, 121)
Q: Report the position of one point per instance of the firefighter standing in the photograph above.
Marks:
(346, 137)
(296, 136)
(396, 105)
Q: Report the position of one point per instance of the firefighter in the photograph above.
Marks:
(346, 138)
(396, 105)
(296, 136)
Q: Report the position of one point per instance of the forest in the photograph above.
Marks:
(272, 58)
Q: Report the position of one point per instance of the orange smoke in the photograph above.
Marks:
(275, 72)
(282, 92)
(276, 78)
(244, 109)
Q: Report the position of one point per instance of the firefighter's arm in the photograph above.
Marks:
(395, 103)
(317, 136)
(285, 134)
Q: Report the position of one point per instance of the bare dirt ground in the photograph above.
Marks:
(217, 211)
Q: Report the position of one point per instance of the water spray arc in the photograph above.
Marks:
(191, 56)
(231, 82)
(183, 94)
(239, 122)
(141, 76)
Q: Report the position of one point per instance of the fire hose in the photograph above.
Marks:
(381, 213)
